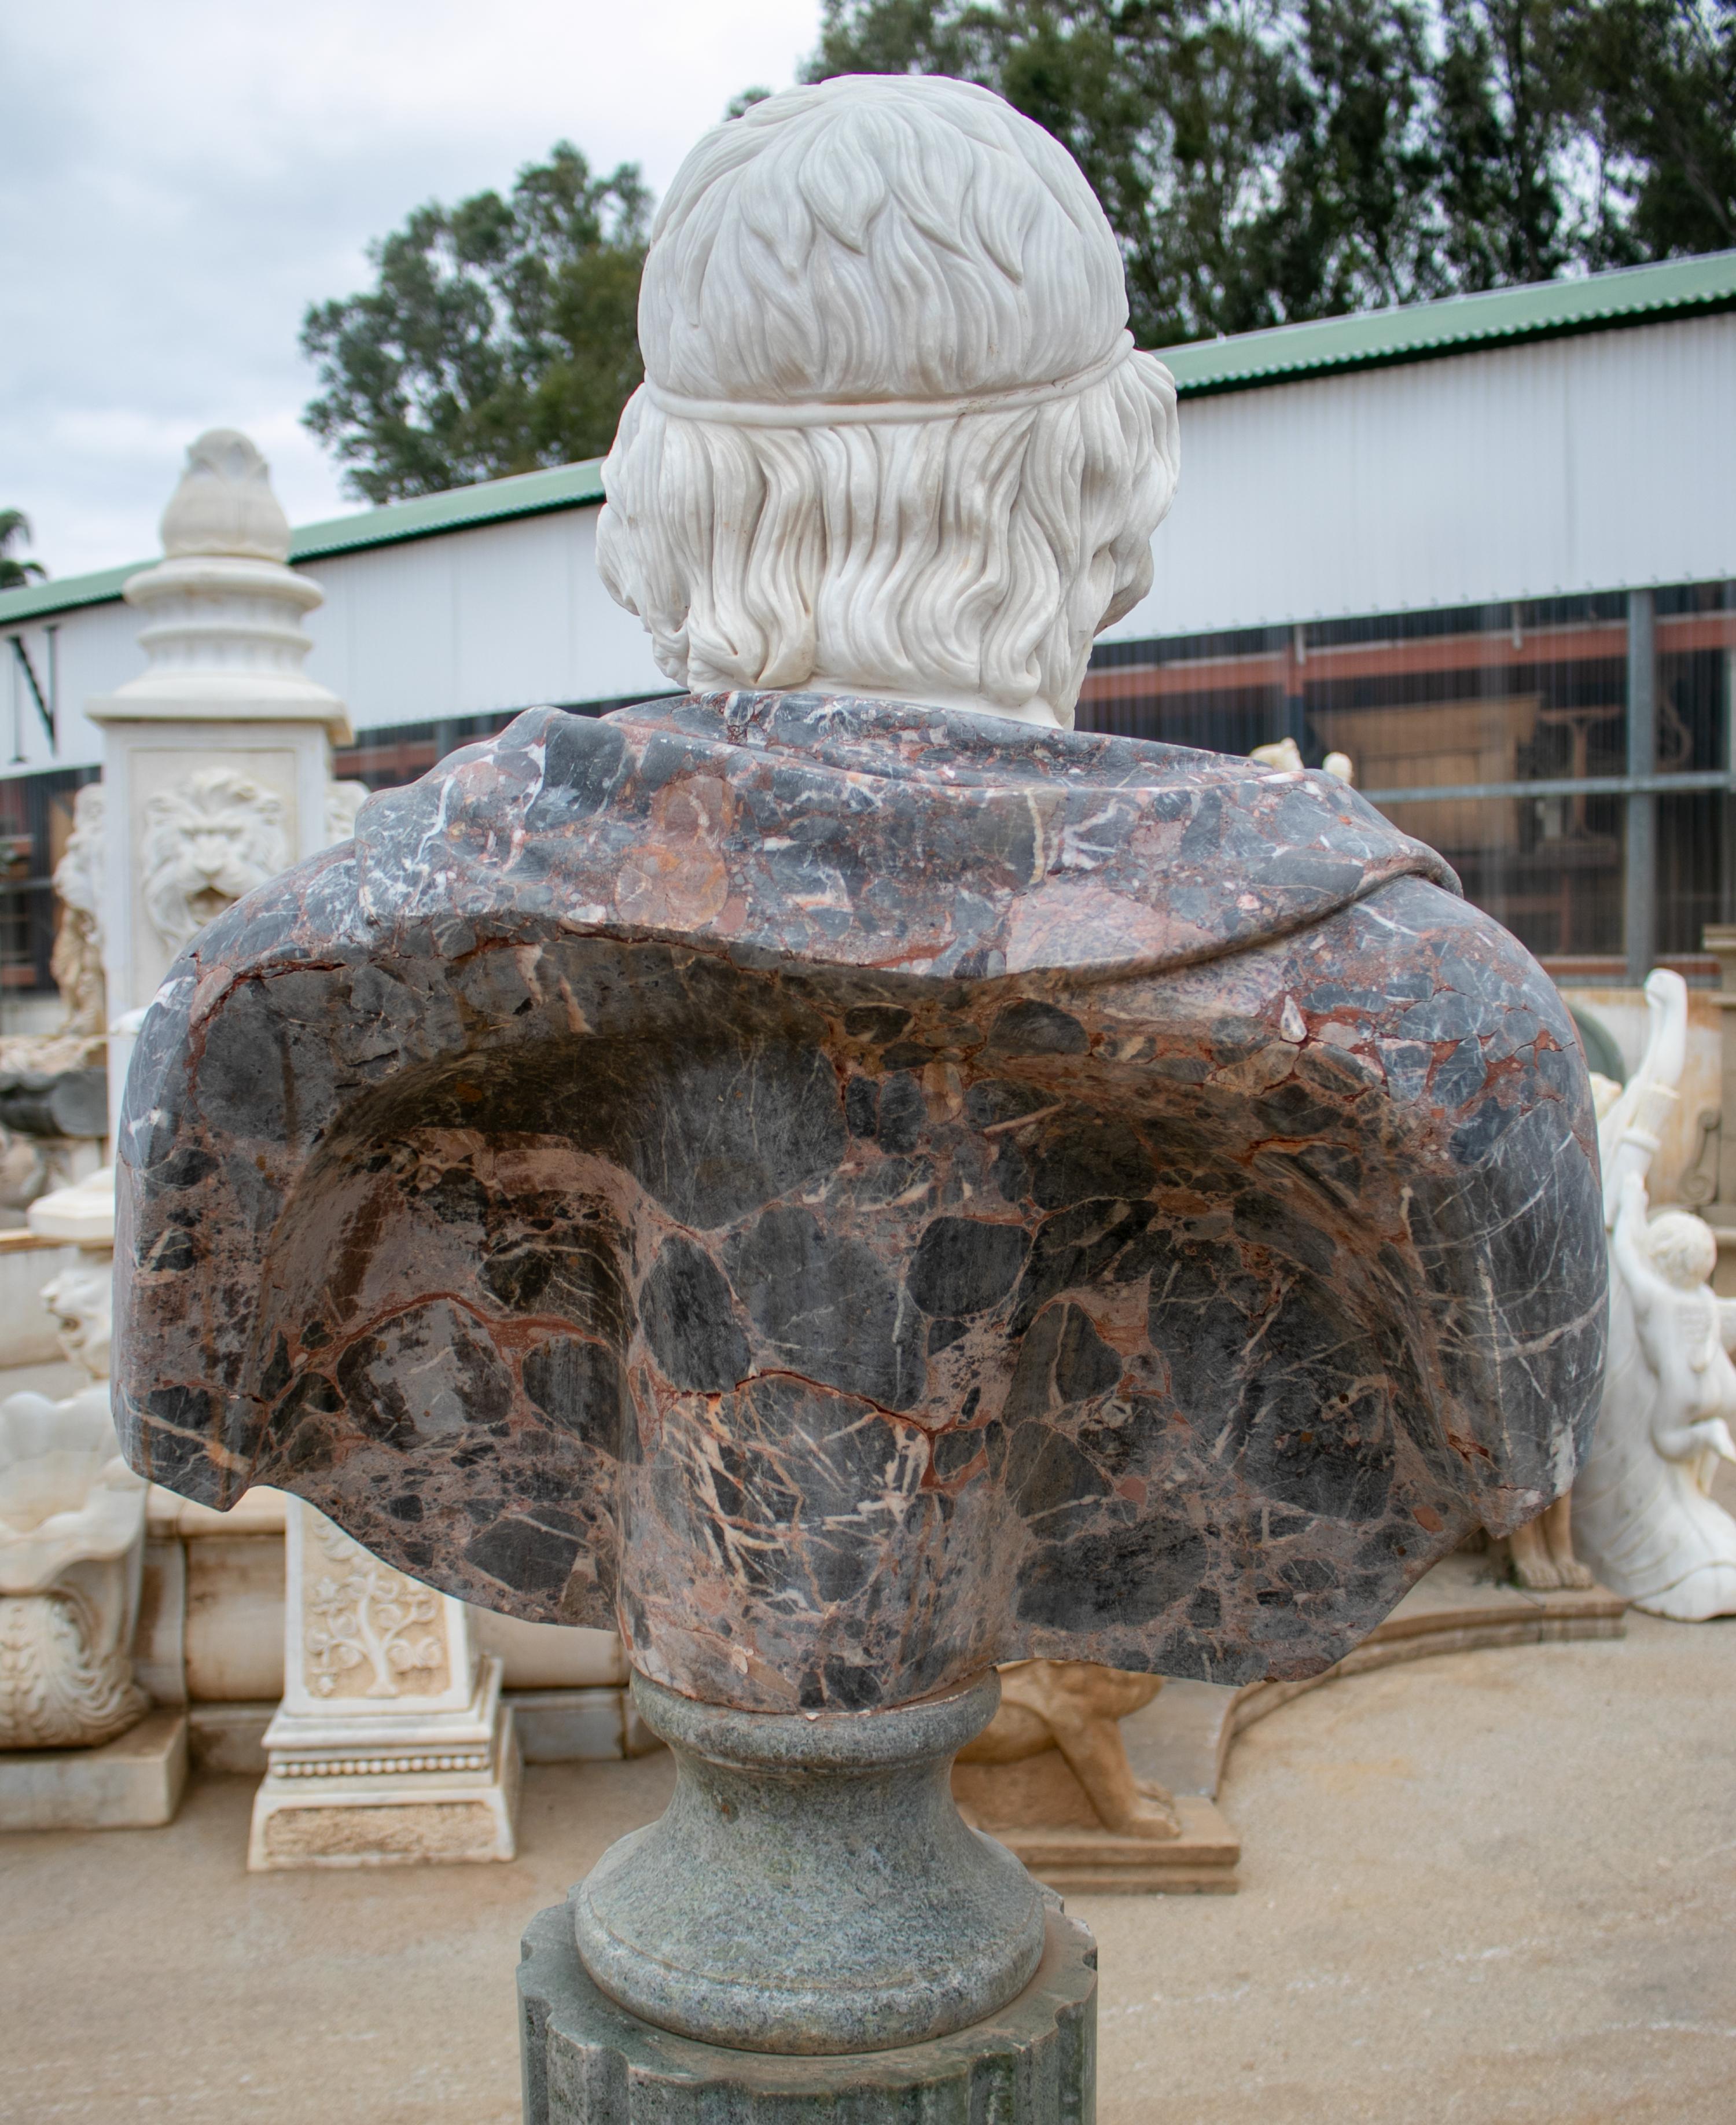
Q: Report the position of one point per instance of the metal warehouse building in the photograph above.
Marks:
(1487, 547)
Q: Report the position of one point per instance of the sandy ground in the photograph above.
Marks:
(1492, 1886)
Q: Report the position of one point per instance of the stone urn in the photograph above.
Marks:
(848, 1180)
(72, 1546)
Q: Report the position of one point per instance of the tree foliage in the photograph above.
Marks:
(500, 334)
(1261, 161)
(1268, 160)
(14, 529)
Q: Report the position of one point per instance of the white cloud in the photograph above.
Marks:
(178, 182)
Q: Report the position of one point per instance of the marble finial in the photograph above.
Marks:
(224, 504)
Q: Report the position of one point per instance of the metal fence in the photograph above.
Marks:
(1571, 757)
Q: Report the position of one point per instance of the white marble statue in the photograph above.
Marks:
(72, 1546)
(1643, 1518)
(343, 801)
(76, 963)
(869, 494)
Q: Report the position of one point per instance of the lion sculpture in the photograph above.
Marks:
(205, 845)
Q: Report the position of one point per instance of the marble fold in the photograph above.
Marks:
(851, 1192)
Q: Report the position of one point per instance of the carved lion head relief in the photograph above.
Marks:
(80, 1300)
(205, 845)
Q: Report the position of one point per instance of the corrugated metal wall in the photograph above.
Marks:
(501, 617)
(1595, 462)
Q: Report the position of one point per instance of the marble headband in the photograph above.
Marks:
(836, 413)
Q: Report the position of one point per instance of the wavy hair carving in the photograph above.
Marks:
(841, 268)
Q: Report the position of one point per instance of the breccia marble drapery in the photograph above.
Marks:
(853, 1192)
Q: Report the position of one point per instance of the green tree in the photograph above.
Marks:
(1268, 160)
(1352, 224)
(500, 334)
(1175, 111)
(15, 528)
(1508, 102)
(1660, 78)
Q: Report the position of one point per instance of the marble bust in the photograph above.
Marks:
(855, 1187)
(839, 1175)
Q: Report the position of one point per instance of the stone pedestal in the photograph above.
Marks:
(810, 1886)
(587, 2061)
(135, 1781)
(1042, 1815)
(391, 1745)
(216, 759)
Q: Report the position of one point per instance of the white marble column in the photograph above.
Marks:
(216, 759)
(391, 1745)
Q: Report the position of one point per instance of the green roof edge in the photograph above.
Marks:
(428, 516)
(1457, 324)
(457, 509)
(1285, 354)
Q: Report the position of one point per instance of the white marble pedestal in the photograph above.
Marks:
(135, 1781)
(391, 1745)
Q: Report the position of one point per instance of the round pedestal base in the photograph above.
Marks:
(588, 2062)
(811, 1887)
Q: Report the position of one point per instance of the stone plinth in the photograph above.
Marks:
(444, 1796)
(391, 1745)
(811, 1887)
(586, 2062)
(1039, 1811)
(135, 1781)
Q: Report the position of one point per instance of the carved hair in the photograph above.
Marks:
(1683, 1249)
(893, 433)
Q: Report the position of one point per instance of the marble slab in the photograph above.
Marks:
(849, 1192)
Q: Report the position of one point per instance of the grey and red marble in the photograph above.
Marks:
(849, 1192)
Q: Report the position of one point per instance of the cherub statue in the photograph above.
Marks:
(1643, 1504)
(79, 1300)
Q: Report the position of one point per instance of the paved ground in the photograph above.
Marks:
(1496, 1888)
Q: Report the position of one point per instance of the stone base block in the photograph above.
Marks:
(586, 2062)
(135, 1781)
(1079, 1860)
(579, 1726)
(1183, 1740)
(229, 1740)
(390, 1818)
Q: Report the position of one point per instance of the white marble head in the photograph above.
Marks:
(894, 438)
(1683, 1249)
(224, 504)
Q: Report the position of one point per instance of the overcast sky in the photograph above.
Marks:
(177, 182)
